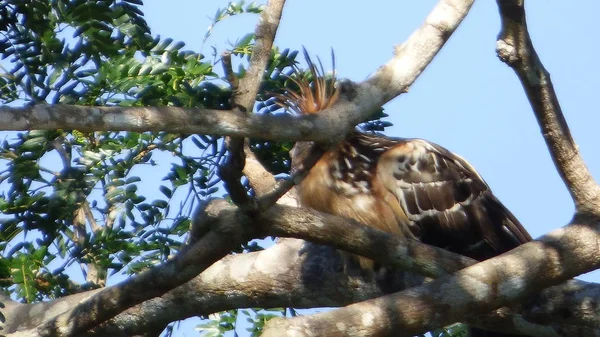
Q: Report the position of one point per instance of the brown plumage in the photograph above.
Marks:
(408, 187)
(413, 188)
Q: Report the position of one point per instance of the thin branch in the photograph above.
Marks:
(230, 173)
(244, 97)
(96, 228)
(231, 170)
(228, 70)
(514, 47)
(300, 172)
(261, 180)
(93, 273)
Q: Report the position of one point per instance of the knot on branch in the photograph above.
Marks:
(506, 51)
(214, 214)
(347, 89)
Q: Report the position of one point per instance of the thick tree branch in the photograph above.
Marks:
(517, 274)
(357, 104)
(413, 56)
(302, 275)
(554, 258)
(354, 237)
(514, 47)
(217, 242)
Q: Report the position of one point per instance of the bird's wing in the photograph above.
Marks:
(447, 201)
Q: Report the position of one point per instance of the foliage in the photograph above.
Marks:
(454, 330)
(233, 8)
(223, 322)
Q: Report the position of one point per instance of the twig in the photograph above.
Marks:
(261, 180)
(228, 70)
(514, 47)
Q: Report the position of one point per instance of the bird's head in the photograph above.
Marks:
(311, 91)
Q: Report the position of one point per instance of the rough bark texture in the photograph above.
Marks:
(304, 275)
(513, 276)
(514, 47)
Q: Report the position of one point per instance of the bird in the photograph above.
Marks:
(409, 187)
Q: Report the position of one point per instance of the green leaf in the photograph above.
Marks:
(166, 191)
(160, 203)
(159, 69)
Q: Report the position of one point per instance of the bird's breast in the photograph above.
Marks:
(336, 185)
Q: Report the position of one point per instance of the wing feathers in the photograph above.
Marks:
(447, 199)
(413, 188)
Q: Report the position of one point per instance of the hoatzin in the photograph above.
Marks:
(408, 187)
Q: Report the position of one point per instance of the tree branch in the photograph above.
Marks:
(217, 242)
(264, 37)
(354, 237)
(261, 180)
(244, 97)
(357, 104)
(554, 258)
(514, 47)
(303, 275)
(296, 176)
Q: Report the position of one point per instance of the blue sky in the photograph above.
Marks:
(466, 100)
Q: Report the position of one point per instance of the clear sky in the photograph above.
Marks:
(466, 100)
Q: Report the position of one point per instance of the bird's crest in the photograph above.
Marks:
(315, 91)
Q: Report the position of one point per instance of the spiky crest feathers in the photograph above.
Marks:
(316, 91)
